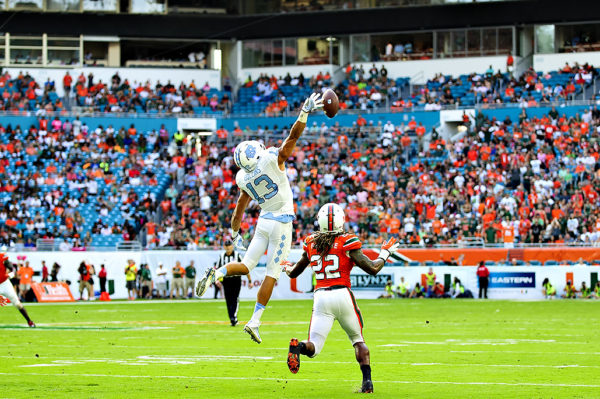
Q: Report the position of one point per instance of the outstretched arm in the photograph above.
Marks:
(238, 212)
(285, 151)
(297, 269)
(373, 267)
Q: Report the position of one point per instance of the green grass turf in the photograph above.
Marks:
(468, 349)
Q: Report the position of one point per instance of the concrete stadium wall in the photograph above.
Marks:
(522, 282)
(420, 71)
(553, 62)
(429, 118)
(141, 123)
(506, 282)
(115, 263)
(281, 71)
(514, 112)
(154, 75)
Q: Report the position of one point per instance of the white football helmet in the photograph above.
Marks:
(331, 218)
(247, 154)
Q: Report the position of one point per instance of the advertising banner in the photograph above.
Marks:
(367, 282)
(512, 280)
(52, 292)
(520, 282)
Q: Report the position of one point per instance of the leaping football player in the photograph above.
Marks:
(8, 291)
(332, 253)
(262, 178)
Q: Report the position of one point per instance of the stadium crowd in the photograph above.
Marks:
(23, 93)
(362, 89)
(371, 88)
(529, 180)
(64, 180)
(532, 180)
(494, 87)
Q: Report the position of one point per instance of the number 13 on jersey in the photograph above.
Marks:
(270, 185)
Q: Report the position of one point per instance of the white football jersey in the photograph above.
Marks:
(269, 186)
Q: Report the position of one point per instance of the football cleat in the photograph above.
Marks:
(253, 331)
(367, 386)
(31, 324)
(293, 359)
(205, 282)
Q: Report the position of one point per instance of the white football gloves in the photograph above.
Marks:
(238, 241)
(312, 103)
(387, 248)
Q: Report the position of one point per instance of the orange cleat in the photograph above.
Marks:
(293, 359)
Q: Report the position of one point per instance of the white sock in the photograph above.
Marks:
(220, 273)
(258, 311)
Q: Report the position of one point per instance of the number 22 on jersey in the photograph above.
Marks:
(325, 268)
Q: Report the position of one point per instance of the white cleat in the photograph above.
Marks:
(253, 331)
(205, 282)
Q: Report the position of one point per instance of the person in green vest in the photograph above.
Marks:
(190, 280)
(178, 137)
(388, 290)
(596, 293)
(402, 290)
(417, 292)
(130, 276)
(585, 290)
(570, 290)
(548, 290)
(459, 290)
(430, 282)
(146, 281)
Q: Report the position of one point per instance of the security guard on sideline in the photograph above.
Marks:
(232, 284)
(403, 289)
(430, 282)
(548, 290)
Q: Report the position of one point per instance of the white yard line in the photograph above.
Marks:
(269, 359)
(526, 352)
(99, 324)
(150, 301)
(179, 377)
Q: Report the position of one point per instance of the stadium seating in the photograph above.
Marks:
(371, 163)
(120, 180)
(359, 90)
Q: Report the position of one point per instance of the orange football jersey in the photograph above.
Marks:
(335, 267)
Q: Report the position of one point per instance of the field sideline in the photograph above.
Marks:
(424, 348)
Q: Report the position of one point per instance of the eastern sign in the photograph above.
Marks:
(512, 280)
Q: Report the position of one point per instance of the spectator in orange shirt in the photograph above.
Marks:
(360, 121)
(178, 285)
(25, 273)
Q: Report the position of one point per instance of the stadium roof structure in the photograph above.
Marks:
(235, 27)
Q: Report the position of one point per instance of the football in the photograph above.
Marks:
(331, 104)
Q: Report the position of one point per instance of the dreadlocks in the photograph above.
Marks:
(324, 241)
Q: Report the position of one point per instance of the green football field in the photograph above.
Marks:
(419, 348)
